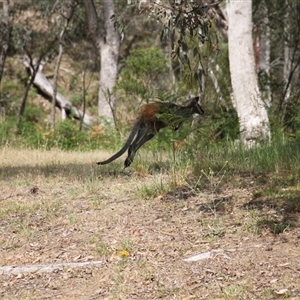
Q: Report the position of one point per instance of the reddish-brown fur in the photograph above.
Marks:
(153, 117)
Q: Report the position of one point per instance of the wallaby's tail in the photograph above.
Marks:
(125, 147)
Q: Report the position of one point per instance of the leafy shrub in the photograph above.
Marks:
(30, 134)
(6, 132)
(65, 136)
(142, 71)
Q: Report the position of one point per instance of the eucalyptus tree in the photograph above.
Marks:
(251, 110)
(189, 25)
(106, 39)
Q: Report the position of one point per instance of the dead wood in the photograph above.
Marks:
(47, 268)
(45, 88)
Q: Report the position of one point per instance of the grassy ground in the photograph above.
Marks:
(60, 207)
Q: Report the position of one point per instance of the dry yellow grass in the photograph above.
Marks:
(60, 207)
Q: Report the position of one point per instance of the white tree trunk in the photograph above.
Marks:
(107, 40)
(108, 79)
(252, 113)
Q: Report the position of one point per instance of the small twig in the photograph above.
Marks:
(11, 196)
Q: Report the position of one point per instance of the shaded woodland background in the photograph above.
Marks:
(47, 31)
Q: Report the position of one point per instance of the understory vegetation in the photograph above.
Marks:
(204, 153)
(190, 158)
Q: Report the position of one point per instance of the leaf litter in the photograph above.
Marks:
(144, 243)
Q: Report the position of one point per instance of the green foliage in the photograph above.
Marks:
(6, 132)
(33, 114)
(292, 117)
(29, 135)
(276, 157)
(66, 136)
(11, 93)
(143, 69)
(76, 99)
(182, 23)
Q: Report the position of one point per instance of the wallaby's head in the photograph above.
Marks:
(195, 105)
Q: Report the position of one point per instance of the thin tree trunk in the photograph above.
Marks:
(59, 58)
(287, 61)
(5, 28)
(216, 85)
(291, 52)
(265, 54)
(34, 68)
(83, 96)
(68, 12)
(14, 270)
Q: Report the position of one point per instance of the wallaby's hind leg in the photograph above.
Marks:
(141, 138)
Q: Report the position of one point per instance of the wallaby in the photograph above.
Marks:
(153, 117)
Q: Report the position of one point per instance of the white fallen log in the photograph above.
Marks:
(46, 89)
(14, 270)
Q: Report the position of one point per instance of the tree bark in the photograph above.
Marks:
(265, 54)
(251, 110)
(287, 67)
(33, 69)
(5, 35)
(56, 71)
(107, 41)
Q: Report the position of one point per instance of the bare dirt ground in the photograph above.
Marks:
(58, 207)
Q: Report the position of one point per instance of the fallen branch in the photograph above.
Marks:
(47, 268)
(206, 255)
(45, 88)
(218, 252)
